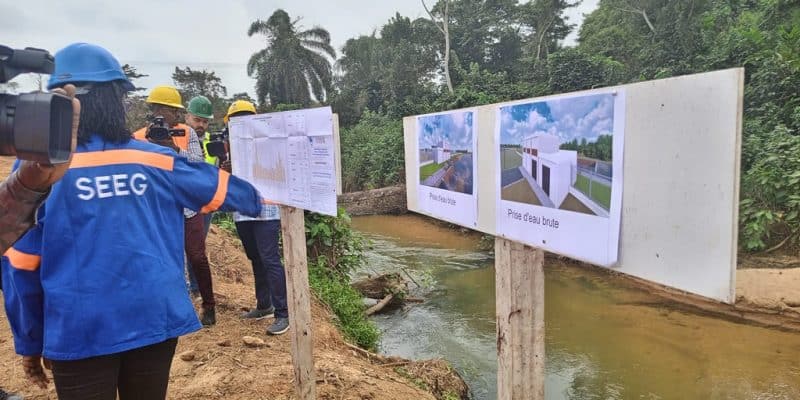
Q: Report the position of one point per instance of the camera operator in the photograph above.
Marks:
(165, 102)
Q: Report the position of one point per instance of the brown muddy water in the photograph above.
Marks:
(605, 338)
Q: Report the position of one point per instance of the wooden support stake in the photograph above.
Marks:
(299, 298)
(520, 320)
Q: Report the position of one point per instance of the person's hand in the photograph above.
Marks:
(168, 142)
(225, 166)
(34, 371)
(39, 176)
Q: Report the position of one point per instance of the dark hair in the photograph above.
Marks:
(103, 113)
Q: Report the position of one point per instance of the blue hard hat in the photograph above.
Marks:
(84, 62)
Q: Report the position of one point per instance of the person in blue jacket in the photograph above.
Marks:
(96, 286)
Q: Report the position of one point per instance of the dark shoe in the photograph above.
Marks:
(280, 326)
(259, 314)
(208, 317)
(9, 396)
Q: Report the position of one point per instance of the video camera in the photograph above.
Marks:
(34, 126)
(158, 130)
(217, 145)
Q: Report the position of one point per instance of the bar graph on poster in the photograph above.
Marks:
(288, 156)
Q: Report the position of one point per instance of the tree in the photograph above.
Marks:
(137, 111)
(444, 27)
(481, 31)
(242, 96)
(193, 83)
(132, 73)
(292, 62)
(392, 73)
(545, 25)
(571, 69)
(653, 38)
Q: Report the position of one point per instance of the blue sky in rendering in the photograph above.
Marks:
(455, 128)
(578, 117)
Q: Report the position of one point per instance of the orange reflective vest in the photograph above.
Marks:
(181, 141)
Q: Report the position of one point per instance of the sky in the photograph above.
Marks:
(569, 118)
(455, 129)
(157, 35)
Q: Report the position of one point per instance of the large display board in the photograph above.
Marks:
(288, 156)
(679, 167)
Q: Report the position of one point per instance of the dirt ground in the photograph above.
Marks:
(769, 281)
(223, 367)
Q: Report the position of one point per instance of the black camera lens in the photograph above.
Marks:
(36, 126)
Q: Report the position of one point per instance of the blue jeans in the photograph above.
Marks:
(192, 284)
(260, 241)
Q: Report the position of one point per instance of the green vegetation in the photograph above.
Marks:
(600, 193)
(334, 250)
(346, 303)
(509, 49)
(599, 150)
(417, 381)
(292, 62)
(427, 170)
(372, 153)
(225, 221)
(511, 158)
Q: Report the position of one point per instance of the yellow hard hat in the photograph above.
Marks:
(165, 95)
(239, 106)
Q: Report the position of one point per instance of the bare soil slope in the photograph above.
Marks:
(223, 367)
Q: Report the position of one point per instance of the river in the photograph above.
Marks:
(605, 338)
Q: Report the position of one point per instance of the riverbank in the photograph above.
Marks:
(767, 285)
(606, 336)
(215, 362)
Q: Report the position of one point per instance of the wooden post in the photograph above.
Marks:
(520, 320)
(299, 299)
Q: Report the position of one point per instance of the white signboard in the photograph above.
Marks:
(446, 150)
(675, 223)
(560, 174)
(288, 156)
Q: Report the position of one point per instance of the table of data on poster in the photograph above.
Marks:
(288, 156)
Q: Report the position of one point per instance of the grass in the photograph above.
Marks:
(427, 170)
(335, 292)
(511, 159)
(225, 221)
(600, 193)
(346, 303)
(418, 382)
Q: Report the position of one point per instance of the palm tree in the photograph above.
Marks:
(294, 65)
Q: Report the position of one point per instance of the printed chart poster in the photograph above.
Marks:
(561, 174)
(446, 148)
(288, 156)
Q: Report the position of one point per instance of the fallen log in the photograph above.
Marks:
(381, 304)
(379, 286)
